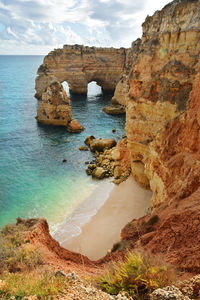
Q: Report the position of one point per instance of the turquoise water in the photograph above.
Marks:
(34, 182)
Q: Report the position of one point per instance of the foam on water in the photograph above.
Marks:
(80, 216)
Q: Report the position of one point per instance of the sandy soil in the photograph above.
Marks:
(125, 202)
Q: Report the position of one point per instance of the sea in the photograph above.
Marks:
(34, 181)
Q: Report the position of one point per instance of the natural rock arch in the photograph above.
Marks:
(77, 65)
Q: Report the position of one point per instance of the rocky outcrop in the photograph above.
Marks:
(114, 162)
(161, 79)
(78, 65)
(54, 106)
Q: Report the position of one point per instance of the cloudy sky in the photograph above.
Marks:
(38, 26)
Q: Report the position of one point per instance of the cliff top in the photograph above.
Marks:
(178, 15)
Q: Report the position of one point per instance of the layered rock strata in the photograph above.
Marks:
(160, 80)
(78, 65)
(173, 166)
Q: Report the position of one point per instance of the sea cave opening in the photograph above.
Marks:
(66, 87)
(93, 89)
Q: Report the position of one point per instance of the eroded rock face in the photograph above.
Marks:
(54, 106)
(173, 166)
(78, 65)
(161, 79)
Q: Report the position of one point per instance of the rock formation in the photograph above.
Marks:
(77, 65)
(161, 79)
(54, 106)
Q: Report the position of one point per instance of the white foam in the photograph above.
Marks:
(82, 214)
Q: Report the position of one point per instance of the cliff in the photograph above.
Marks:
(174, 170)
(160, 80)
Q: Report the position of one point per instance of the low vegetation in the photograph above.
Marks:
(138, 275)
(20, 285)
(16, 253)
(22, 269)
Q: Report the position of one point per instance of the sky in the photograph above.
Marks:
(39, 26)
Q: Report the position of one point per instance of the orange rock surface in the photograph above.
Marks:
(161, 79)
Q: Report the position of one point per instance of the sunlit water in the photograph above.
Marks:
(34, 182)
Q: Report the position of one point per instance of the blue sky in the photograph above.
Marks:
(38, 26)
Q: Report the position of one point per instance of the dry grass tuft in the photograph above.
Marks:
(44, 286)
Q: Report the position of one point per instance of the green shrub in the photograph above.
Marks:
(138, 275)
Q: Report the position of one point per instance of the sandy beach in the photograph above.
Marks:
(124, 203)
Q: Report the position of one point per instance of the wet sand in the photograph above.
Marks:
(125, 202)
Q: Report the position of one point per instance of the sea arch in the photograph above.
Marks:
(77, 65)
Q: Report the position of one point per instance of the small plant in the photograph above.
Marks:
(138, 275)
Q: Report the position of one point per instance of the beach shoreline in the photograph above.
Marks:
(97, 233)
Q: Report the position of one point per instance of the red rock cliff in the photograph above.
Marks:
(161, 79)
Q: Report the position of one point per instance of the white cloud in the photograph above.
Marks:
(11, 32)
(47, 24)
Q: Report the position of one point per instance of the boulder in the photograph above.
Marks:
(116, 154)
(101, 144)
(114, 109)
(90, 169)
(89, 139)
(99, 173)
(74, 127)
